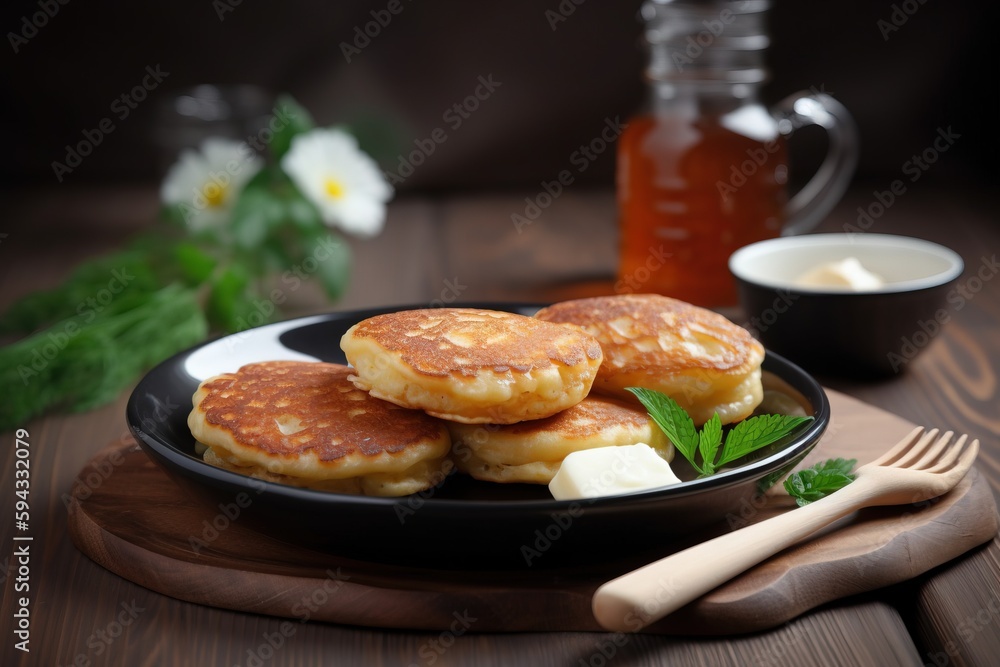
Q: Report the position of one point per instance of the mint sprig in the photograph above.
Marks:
(708, 444)
(820, 480)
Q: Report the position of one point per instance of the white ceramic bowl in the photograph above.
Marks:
(857, 333)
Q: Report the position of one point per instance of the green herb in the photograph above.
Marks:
(820, 480)
(87, 360)
(128, 268)
(708, 444)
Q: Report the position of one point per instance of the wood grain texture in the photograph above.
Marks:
(959, 612)
(151, 543)
(953, 384)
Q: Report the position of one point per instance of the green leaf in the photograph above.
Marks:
(273, 255)
(820, 480)
(332, 258)
(756, 432)
(256, 212)
(194, 263)
(673, 420)
(271, 206)
(302, 213)
(291, 119)
(744, 438)
(709, 440)
(229, 301)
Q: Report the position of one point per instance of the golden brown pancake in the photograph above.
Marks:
(472, 366)
(696, 356)
(306, 424)
(531, 451)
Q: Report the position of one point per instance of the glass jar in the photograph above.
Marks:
(703, 170)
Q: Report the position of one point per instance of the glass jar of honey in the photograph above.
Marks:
(703, 170)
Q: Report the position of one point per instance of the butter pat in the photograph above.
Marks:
(847, 274)
(607, 471)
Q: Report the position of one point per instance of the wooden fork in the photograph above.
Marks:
(921, 466)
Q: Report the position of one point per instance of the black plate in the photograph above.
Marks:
(462, 523)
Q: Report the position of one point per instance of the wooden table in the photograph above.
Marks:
(466, 248)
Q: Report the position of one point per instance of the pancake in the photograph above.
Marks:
(697, 357)
(306, 424)
(472, 366)
(531, 451)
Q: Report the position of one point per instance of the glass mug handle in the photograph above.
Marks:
(807, 208)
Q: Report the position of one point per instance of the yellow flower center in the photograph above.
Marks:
(214, 194)
(333, 188)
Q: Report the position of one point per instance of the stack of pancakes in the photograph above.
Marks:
(500, 396)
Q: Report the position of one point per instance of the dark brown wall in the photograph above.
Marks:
(939, 69)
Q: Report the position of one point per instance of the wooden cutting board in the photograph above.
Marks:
(128, 516)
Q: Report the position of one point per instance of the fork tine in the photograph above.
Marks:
(968, 457)
(934, 452)
(900, 447)
(965, 457)
(915, 453)
(949, 456)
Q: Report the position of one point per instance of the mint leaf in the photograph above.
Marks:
(746, 437)
(756, 432)
(708, 442)
(820, 480)
(673, 420)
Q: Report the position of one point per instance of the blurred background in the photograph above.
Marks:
(903, 68)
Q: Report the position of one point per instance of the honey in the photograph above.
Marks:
(690, 193)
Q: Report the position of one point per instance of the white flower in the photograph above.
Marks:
(206, 183)
(343, 182)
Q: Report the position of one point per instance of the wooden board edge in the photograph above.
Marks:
(334, 599)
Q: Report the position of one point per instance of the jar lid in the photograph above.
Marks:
(714, 40)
